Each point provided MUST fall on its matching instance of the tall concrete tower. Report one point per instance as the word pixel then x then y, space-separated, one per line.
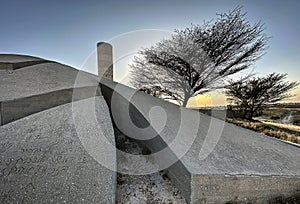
pixel 105 60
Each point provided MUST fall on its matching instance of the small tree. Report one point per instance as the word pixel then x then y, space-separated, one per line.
pixel 251 94
pixel 199 58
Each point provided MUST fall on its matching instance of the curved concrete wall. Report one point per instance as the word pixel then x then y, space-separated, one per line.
pixel 212 161
pixel 41 86
pixel 19 108
pixel 13 62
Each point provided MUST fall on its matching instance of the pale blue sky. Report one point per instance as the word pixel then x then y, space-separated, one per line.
pixel 67 31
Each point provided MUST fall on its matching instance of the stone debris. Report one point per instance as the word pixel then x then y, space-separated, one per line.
pixel 143 189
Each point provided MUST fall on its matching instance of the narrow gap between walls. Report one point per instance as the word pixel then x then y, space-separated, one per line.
pixel 142 189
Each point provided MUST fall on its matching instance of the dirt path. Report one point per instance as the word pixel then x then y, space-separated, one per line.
pixel 288 118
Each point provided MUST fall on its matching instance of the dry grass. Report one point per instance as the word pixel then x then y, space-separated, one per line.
pixel 291 127
pixel 276 131
pixel 280 113
pixel 295 109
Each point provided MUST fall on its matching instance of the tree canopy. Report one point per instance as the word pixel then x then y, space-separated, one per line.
pixel 199 58
pixel 251 94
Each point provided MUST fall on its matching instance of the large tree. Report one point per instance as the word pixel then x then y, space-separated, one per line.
pixel 199 58
pixel 251 94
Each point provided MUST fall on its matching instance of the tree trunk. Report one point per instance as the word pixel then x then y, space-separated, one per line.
pixel 251 115
pixel 185 101
pixel 252 112
pixel 245 111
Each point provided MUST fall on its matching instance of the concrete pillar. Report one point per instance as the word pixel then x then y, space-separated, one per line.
pixel 105 60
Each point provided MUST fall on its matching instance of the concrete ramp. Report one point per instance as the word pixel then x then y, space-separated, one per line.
pixel 209 160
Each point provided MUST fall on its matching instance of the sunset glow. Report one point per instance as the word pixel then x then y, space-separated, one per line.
pixel 207 100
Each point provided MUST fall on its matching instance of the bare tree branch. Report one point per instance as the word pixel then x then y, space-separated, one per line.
pixel 251 94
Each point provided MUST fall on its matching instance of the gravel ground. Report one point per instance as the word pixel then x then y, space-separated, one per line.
pixel 142 189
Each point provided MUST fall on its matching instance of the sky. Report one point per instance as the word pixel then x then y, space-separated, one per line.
pixel 68 31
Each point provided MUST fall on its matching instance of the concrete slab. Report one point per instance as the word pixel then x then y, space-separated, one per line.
pixel 213 161
pixel 14 58
pixel 41 86
pixel 12 62
pixel 19 108
pixel 44 158
pixel 42 78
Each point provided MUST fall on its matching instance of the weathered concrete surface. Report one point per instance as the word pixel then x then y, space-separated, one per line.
pixel 237 166
pixel 42 78
pixel 11 62
pixel 245 189
pixel 15 109
pixel 14 58
pixel 39 87
pixel 44 159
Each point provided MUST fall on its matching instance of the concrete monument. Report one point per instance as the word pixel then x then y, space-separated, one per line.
pixel 48 154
